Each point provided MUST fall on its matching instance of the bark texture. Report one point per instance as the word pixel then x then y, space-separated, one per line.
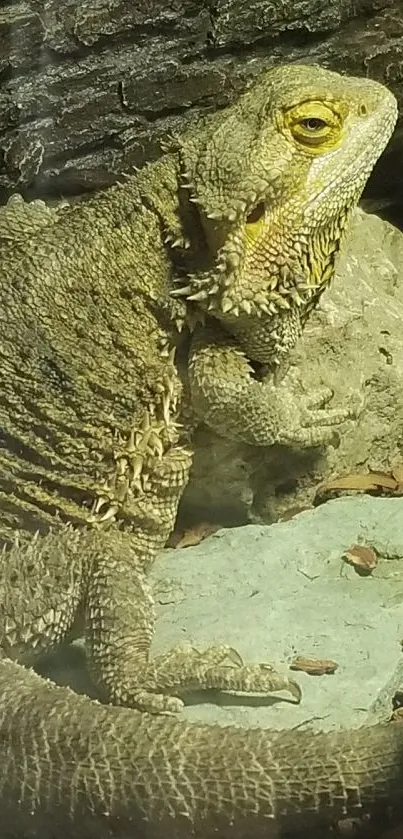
pixel 89 89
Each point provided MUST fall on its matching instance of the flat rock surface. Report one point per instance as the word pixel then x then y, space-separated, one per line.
pixel 284 590
pixel 277 591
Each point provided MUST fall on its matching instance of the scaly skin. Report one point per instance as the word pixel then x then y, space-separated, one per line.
pixel 273 220
pixel 70 767
pixel 91 320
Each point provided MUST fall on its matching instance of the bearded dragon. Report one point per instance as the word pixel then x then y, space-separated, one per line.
pixel 215 254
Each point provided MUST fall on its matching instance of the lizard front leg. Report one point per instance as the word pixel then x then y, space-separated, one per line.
pixel 120 612
pixel 227 397
pixel 48 581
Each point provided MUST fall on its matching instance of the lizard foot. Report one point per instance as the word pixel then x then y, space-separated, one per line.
pixel 309 422
pixel 239 405
pixel 220 667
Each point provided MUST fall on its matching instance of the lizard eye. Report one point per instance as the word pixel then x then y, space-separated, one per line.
pixel 313 124
pixel 256 214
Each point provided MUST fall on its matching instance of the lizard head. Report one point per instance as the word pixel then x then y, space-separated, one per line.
pixel 273 179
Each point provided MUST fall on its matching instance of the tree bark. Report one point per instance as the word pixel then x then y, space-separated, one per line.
pixel 89 89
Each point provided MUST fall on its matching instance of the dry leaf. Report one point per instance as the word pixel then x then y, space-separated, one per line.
pixel 362 558
pixel 369 482
pixel 313 666
pixel 192 536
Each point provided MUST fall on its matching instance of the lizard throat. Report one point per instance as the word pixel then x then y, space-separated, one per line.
pixel 264 299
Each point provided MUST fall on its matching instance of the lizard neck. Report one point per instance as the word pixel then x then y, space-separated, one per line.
pixel 265 302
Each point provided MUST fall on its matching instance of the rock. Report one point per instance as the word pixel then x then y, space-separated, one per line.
pixel 277 592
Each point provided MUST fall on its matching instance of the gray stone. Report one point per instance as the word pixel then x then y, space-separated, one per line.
pixel 274 592
pixel 284 590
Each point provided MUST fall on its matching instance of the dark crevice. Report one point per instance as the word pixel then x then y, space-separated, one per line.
pixel 287 40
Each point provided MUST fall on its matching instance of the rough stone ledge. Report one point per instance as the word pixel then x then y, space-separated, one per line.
pixel 277 591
